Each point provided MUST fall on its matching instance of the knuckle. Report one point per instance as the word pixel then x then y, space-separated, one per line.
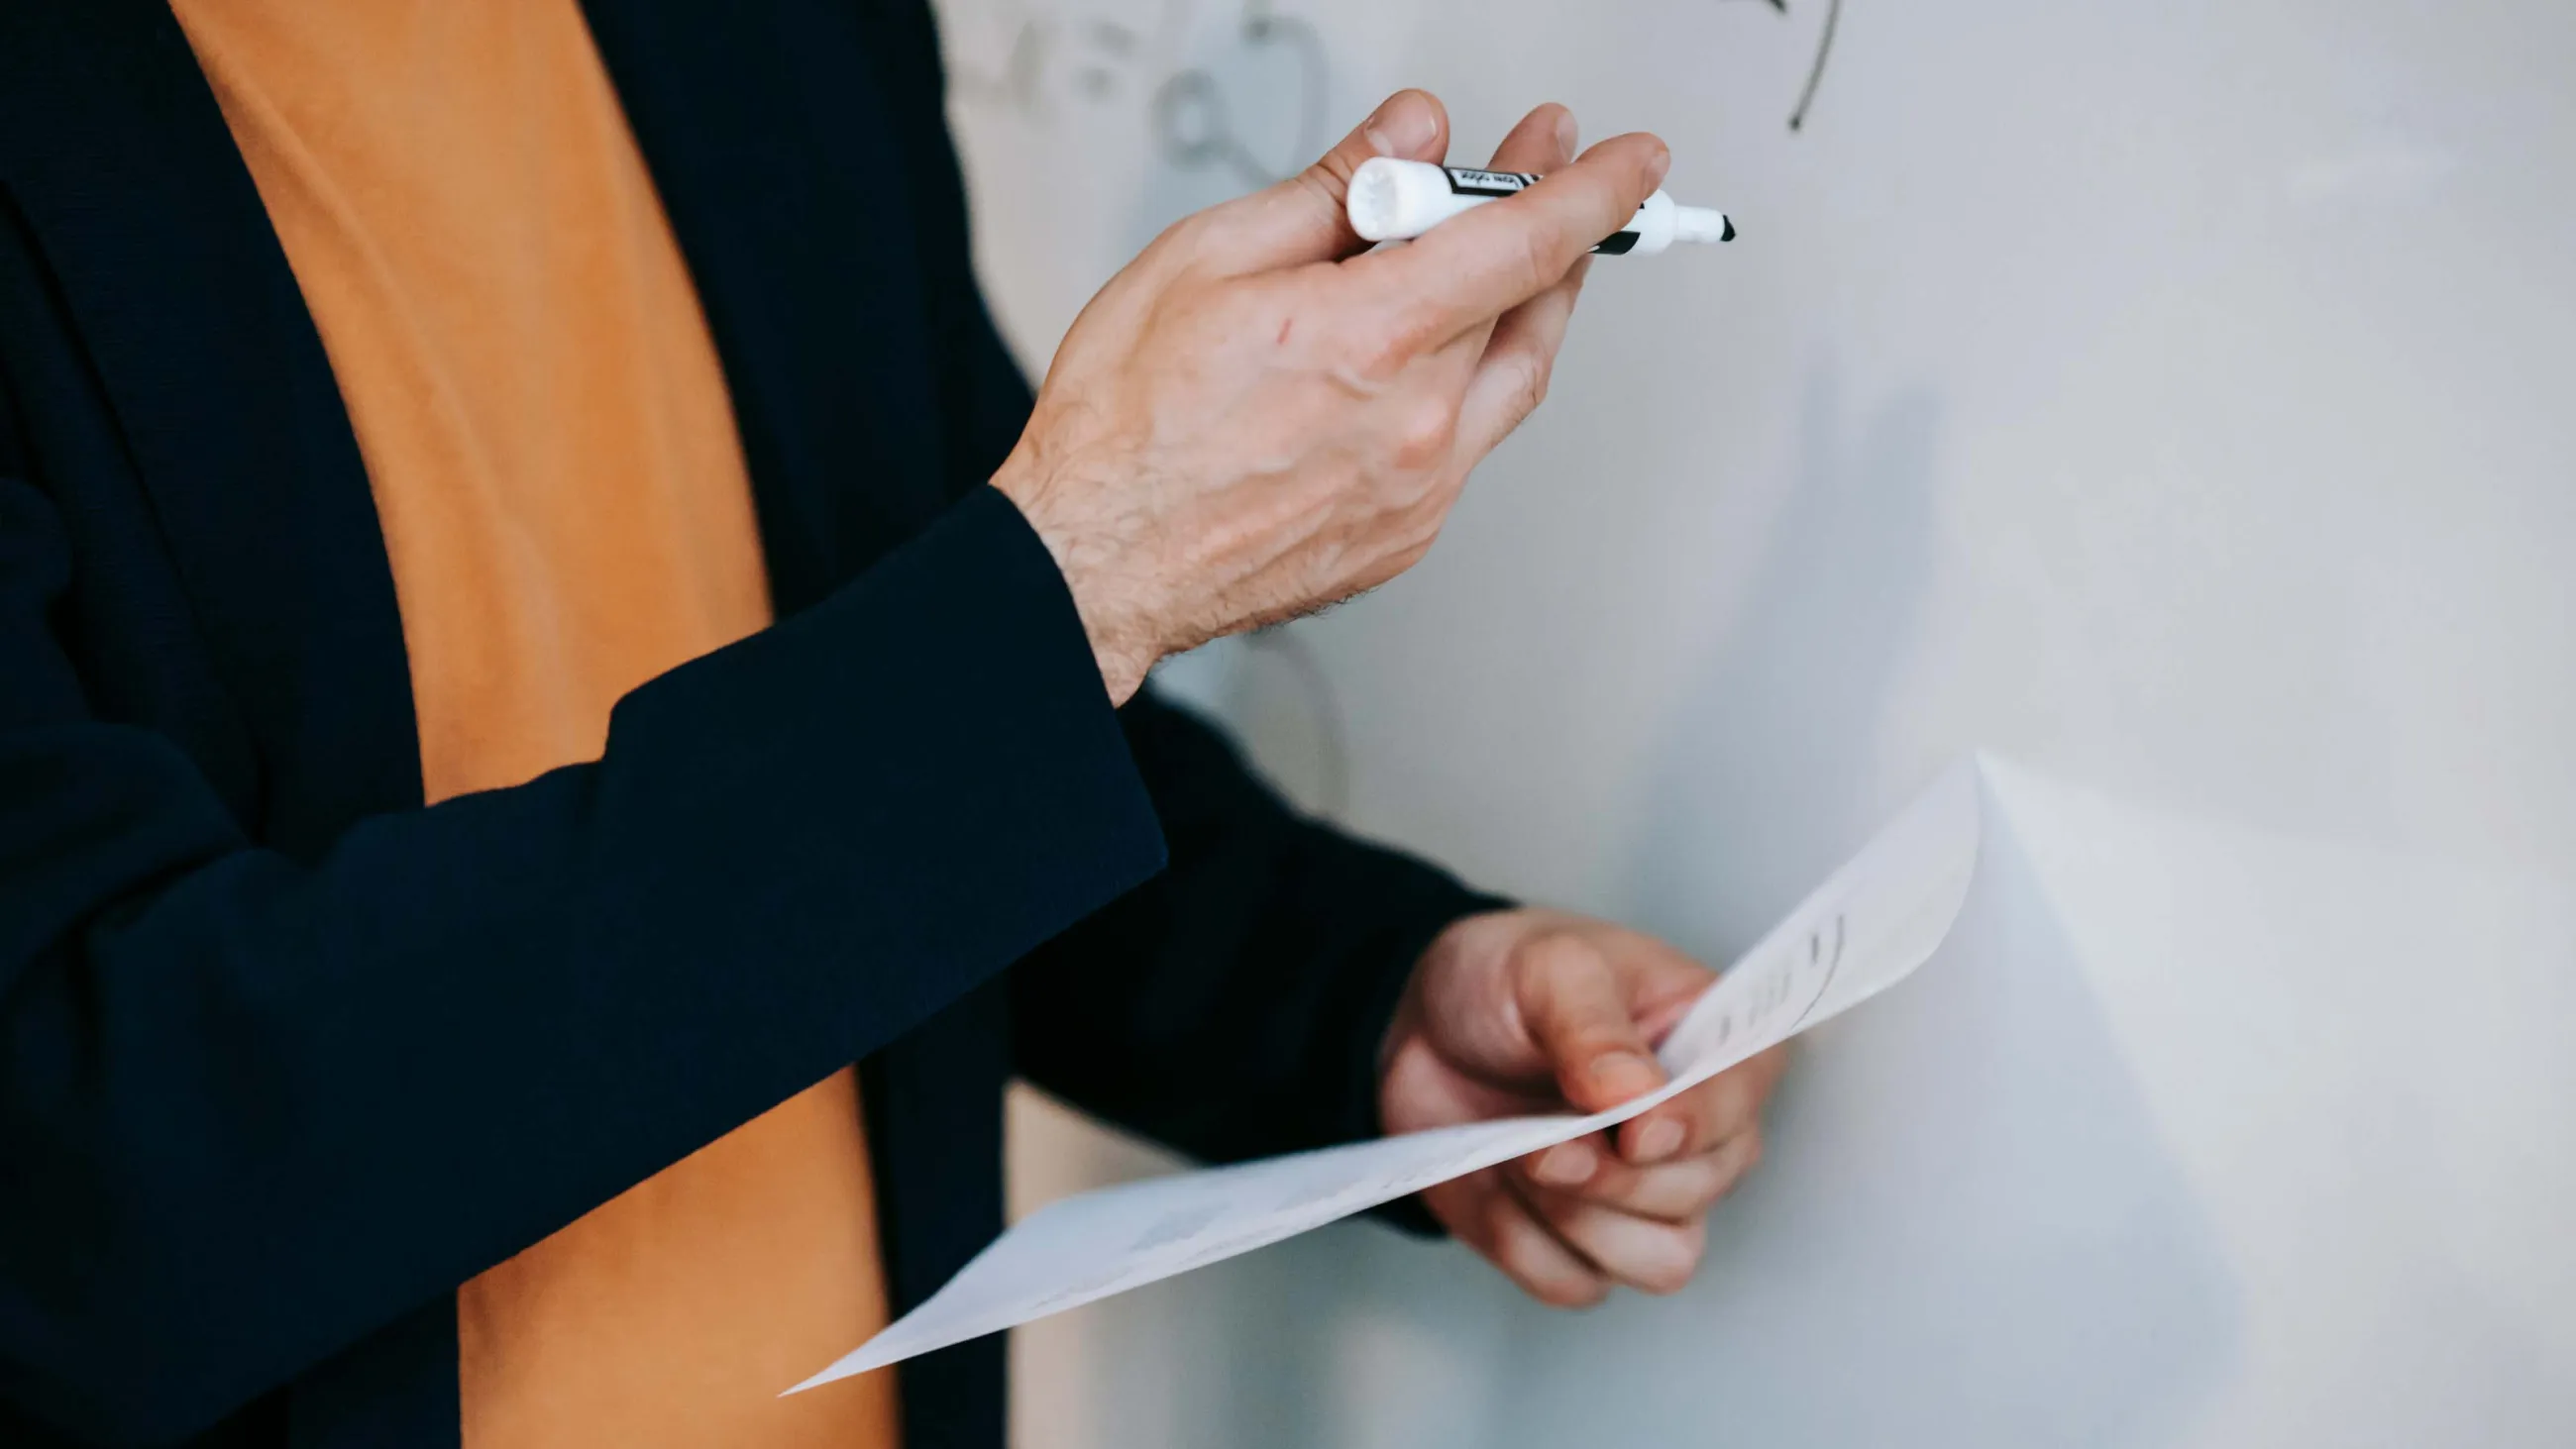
pixel 1696 1191
pixel 1426 435
pixel 1383 352
pixel 1567 1167
pixel 1728 1168
pixel 1375 355
pixel 1673 1268
pixel 1406 557
pixel 1551 950
pixel 1557 958
pixel 1417 504
pixel 1539 266
pixel 1529 385
pixel 1627 1189
pixel 1182 238
pixel 1441 484
pixel 1562 1004
pixel 1325 183
pixel 1516 1247
pixel 1523 1249
pixel 1716 1178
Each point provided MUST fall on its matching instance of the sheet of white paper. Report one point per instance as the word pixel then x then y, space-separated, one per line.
pixel 1860 932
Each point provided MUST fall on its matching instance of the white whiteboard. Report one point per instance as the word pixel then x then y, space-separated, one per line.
pixel 2173 398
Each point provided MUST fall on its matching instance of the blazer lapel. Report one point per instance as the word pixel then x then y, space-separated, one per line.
pixel 119 159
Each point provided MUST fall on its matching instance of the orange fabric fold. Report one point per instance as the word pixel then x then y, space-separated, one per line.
pixel 564 501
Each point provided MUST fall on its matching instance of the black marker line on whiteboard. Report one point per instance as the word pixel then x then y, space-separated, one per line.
pixel 1816 73
pixel 1392 199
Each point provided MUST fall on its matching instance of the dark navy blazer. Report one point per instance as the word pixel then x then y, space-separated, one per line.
pixel 285 1056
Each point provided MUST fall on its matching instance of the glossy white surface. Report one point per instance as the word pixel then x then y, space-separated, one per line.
pixel 2172 399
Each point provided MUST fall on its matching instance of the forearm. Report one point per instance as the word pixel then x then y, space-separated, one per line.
pixel 351 1085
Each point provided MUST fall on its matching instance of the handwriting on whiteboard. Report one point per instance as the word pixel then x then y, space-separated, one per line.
pixel 1032 57
pixel 1035 59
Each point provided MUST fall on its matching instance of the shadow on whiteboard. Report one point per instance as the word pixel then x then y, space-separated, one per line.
pixel 1967 1234
pixel 1796 689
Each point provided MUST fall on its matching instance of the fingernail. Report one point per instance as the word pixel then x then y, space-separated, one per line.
pixel 1568 134
pixel 1660 1139
pixel 1567 1164
pixel 1401 127
pixel 1623 1074
pixel 1661 162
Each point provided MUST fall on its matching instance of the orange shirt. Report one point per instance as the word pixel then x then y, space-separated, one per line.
pixel 564 500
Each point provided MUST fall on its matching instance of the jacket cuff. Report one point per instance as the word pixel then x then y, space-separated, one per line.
pixel 925 767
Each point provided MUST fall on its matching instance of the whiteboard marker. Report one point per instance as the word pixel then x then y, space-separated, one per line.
pixel 1394 200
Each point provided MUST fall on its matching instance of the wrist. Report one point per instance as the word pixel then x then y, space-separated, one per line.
pixel 1117 621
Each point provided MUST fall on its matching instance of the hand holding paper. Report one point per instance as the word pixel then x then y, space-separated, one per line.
pixel 1525 1011
pixel 1866 928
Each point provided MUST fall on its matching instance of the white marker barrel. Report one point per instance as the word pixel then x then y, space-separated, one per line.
pixel 1395 200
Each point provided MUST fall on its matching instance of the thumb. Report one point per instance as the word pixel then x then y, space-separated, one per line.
pixel 1572 1001
pixel 1306 218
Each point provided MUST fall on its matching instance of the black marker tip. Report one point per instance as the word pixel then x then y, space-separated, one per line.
pixel 1728 234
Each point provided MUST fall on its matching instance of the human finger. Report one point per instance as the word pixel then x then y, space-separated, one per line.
pixel 1484 1213
pixel 1517 366
pixel 1543 142
pixel 1482 263
pixel 1645 1253
pixel 1306 218
pixel 1697 1120
pixel 1576 1010
pixel 1674 1191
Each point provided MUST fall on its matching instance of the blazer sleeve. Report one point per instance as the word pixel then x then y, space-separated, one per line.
pixel 1234 1006
pixel 253 1108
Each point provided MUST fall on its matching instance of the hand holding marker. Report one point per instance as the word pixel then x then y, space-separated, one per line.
pixel 1392 199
